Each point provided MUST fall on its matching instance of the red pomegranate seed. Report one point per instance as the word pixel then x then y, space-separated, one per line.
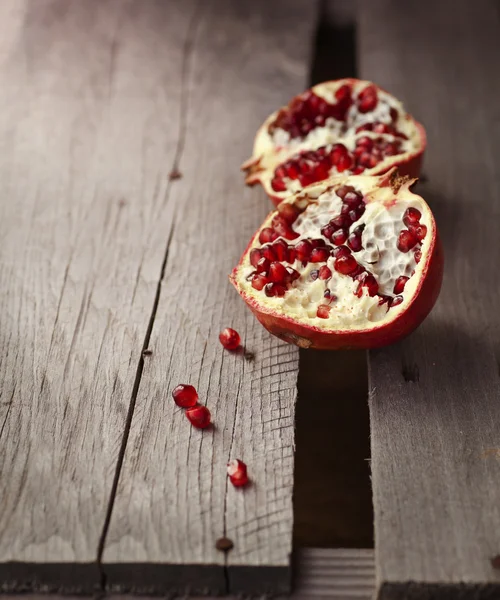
pixel 292 274
pixel 278 184
pixel 321 171
pixel 394 114
pixel 291 254
pixel 344 190
pixel 339 222
pixel 418 256
pixel 259 281
pixel 255 256
pixel 339 237
pixel 277 272
pixel 237 472
pixel 344 163
pixel 306 179
pixel 274 289
pixel 199 416
pixel 329 296
pixel 358 169
pixel 325 273
pixel 323 311
pixel 268 252
pixel 229 338
pixel 420 231
pixel 318 243
pixel 280 172
pixel 406 241
pixel 368 281
pixel 353 199
pixel 288 211
pixel 328 231
pixel 343 92
pixel 367 99
pixel 283 229
pixel 280 248
pixel 396 300
pixel 354 240
pixel 345 264
pixel 366 142
pixel 341 251
pixel 263 265
pixel 319 255
pixel 399 286
pixel 337 152
pixel 411 216
pixel 267 235
pixel 185 395
pixel 303 250
pixel 314 274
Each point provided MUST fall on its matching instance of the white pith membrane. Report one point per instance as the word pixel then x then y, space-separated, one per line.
pixel 275 149
pixel 383 220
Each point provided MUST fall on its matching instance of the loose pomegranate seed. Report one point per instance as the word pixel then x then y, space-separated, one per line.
pixel 255 256
pixel 323 311
pixel 288 211
pixel 237 472
pixel 399 286
pixel 259 281
pixel 268 252
pixel 263 265
pixel 345 264
pixel 229 338
pixel 319 255
pixel 280 248
pixel 185 395
pixel 278 184
pixel 325 273
pixel 277 272
pixel 411 216
pixel 406 241
pixel 267 235
pixel 367 99
pixel 199 416
pixel 303 250
pixel 418 256
pixel 339 237
pixel 396 300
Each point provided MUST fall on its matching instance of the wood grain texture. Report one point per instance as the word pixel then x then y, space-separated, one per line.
pixel 173 499
pixel 89 122
pixel 435 411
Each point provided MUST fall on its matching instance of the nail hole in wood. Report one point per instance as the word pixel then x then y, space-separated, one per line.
pixel 175 174
pixel 147 352
pixel 410 372
pixel 224 544
pixel 495 562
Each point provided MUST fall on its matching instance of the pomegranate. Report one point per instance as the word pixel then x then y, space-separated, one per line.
pixel 230 338
pixel 237 472
pixel 366 288
pixel 199 416
pixel 346 126
pixel 185 395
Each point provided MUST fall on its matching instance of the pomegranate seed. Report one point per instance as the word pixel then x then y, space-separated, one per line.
pixel 323 311
pixel 329 296
pixel 328 231
pixel 354 240
pixel 345 264
pixel 411 216
pixel 292 169
pixel 259 281
pixel 368 281
pixel 268 252
pixel 341 251
pixel 263 265
pixel 345 162
pixel 277 272
pixel 318 243
pixel 399 286
pixel 199 416
pixel 281 250
pixel 237 472
pixel 406 241
pixel 367 99
pixel 280 172
pixel 255 256
pixel 288 211
pixel 278 184
pixel 420 231
pixel 418 256
pixel 321 171
pixel 396 300
pixel 366 142
pixel 274 289
pixel 319 255
pixel 229 338
pixel 305 179
pixel 394 114
pixel 283 229
pixel 185 395
pixel 267 235
pixel 291 254
pixel 339 222
pixel 344 190
pixel 353 199
pixel 292 274
pixel 325 273
pixel 357 170
pixel 303 250
pixel 337 152
pixel 343 92
pixel 314 274
pixel 339 237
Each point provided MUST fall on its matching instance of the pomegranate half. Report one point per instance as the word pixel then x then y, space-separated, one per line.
pixel 351 262
pixel 346 126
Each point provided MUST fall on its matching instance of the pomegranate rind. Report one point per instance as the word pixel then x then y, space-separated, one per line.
pixel 401 320
pixel 259 168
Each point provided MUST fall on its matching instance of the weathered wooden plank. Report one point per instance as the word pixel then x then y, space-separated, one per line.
pixel 173 500
pixel 89 122
pixel 435 410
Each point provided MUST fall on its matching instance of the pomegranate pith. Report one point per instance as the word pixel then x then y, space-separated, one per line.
pixel 366 290
pixel 199 416
pixel 185 395
pixel 346 126
pixel 237 472
pixel 230 338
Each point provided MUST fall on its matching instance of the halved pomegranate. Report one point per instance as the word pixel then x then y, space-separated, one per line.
pixel 346 126
pixel 352 262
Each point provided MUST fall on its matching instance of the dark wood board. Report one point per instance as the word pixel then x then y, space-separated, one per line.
pixel 434 402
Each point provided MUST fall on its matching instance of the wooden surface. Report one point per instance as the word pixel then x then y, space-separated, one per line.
pixel 435 411
pixel 99 102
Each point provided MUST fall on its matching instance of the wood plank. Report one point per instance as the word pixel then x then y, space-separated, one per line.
pixel 173 500
pixel 89 105
pixel 435 413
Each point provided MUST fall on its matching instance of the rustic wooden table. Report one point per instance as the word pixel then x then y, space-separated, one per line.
pixel 105 253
